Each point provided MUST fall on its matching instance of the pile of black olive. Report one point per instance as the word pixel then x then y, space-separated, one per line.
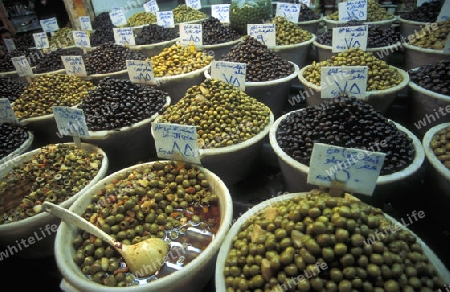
pixel 117 103
pixel 427 12
pixel 103 30
pixel 307 14
pixel 377 36
pixel 153 33
pixel 345 122
pixel 434 77
pixel 262 64
pixel 6 64
pixel 52 61
pixel 214 32
pixel 12 136
pixel 109 58
pixel 10 88
pixel 24 41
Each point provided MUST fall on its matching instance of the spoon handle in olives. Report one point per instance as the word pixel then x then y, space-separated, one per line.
pixel 74 219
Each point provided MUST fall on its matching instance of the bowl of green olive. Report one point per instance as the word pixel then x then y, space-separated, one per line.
pixel 186 205
pixel 313 241
pixel 58 173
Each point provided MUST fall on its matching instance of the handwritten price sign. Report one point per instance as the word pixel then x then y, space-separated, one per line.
pixel 177 142
pixel 81 39
pixel 264 33
pixel 221 12
pixel 151 6
pixel 350 80
pixel 357 169
pixel 49 25
pixel 196 4
pixel 165 19
pixel 74 65
pixel 85 23
pixel 140 71
pixel 70 121
pixel 7 114
pixel 9 43
pixel 288 11
pixel 41 40
pixel 191 34
pixel 353 10
pixel 124 36
pixel 345 38
pixel 445 11
pixel 22 66
pixel 230 72
pixel 118 17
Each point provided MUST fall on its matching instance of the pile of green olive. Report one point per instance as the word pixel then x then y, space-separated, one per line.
pixel 319 242
pixel 183 13
pixel 440 144
pixel 249 12
pixel 141 18
pixel 164 200
pixel 288 33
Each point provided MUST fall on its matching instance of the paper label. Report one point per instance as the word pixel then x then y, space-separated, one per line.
pixel 447 45
pixel 9 43
pixel 196 4
pixel 165 19
pixel 81 39
pixel 357 169
pixel 345 38
pixel 140 71
pixel 41 40
pixel 191 34
pixel 22 66
pixel 230 72
pixel 421 2
pixel 124 36
pixel 176 142
pixel 353 10
pixel 49 25
pixel 151 6
pixel 445 11
pixel 70 121
pixel 85 23
pixel 289 11
pixel 118 17
pixel 7 115
pixel 74 65
pixel 221 12
pixel 264 33
pixel 338 80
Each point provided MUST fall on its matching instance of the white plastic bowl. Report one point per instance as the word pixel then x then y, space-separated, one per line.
pixel 296 53
pixel 440 173
pixel 219 49
pixel 311 25
pixel 387 23
pixel 25 147
pixel 416 56
pixel 381 100
pixel 227 243
pixel 59 71
pixel 193 277
pixel 151 50
pixel 408 27
pixel 26 228
pixel 295 174
pixel 272 93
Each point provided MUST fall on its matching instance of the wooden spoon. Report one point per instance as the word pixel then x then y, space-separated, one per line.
pixel 143 258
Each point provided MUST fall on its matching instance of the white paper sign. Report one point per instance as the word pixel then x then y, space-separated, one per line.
pixel 41 40
pixel 165 19
pixel 445 11
pixel 176 142
pixel 140 71
pixel 196 4
pixel 85 23
pixel 118 17
pixel 70 121
pixel 447 45
pixel 22 66
pixel 230 72
pixel 7 115
pixel 264 33
pixel 345 38
pixel 337 80
pixel 421 2
pixel 9 43
pixel 49 25
pixel 357 169
pixel 81 39
pixel 124 36
pixel 191 34
pixel 151 6
pixel 289 11
pixel 221 12
pixel 353 10
pixel 74 65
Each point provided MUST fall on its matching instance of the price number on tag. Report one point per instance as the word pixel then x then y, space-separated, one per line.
pixel 9 43
pixel 221 12
pixel 41 40
pixel 151 6
pixel 230 72
pixel 289 11
pixel 74 65
pixel 118 17
pixel 22 66
pixel 196 4
pixel 339 80
pixel 7 114
pixel 353 10
pixel 264 33
pixel 124 36
pixel 85 23
pixel 165 19
pixel 140 71
pixel 345 38
pixel 70 121
pixel 49 25
pixel 191 34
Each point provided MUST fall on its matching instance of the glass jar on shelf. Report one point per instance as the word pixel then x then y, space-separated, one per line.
pixel 243 12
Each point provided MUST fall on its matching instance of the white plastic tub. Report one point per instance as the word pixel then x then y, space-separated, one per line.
pixel 408 27
pixel 296 53
pixel 151 50
pixel 416 56
pixel 387 23
pixel 311 25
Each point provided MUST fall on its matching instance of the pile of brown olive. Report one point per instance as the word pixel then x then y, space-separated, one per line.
pixel 52 61
pixel 50 90
pixel 184 13
pixel 153 33
pixel 109 58
pixel 434 77
pixel 223 114
pixel 262 64
pixel 214 32
pixel 440 144
pixel 12 138
pixel 165 200
pixel 288 33
pixel 307 14
pixel 349 123
pixel 10 88
pixel 319 242
pixel 374 12
pixel 380 75
pixel 117 103
pixel 54 174
pixel 433 38
pixel 427 12
pixel 24 40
